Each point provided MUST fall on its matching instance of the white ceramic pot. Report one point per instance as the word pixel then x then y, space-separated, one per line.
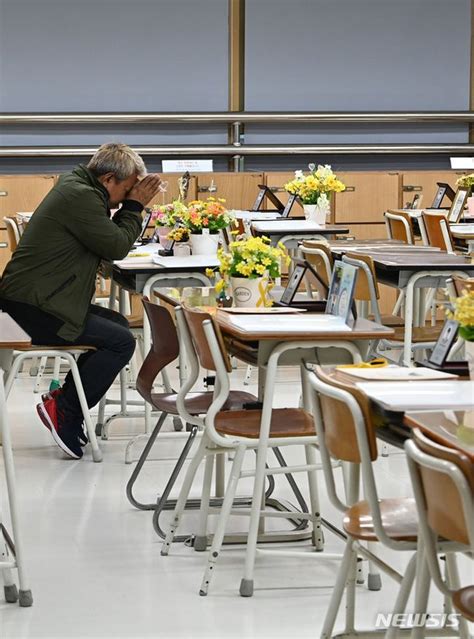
pixel 315 213
pixel 204 244
pixel 469 355
pixel 249 292
pixel 181 249
pixel 162 233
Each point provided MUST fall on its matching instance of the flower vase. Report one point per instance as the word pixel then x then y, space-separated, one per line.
pixel 316 213
pixel 249 292
pixel 162 235
pixel 204 243
pixel 469 355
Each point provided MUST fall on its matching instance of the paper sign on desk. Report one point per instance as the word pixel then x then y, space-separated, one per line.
pixel 462 163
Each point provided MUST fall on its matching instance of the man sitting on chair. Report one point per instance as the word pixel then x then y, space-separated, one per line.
pixel 48 285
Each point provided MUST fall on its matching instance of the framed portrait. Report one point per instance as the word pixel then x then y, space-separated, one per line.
pixel 457 207
pixel 444 343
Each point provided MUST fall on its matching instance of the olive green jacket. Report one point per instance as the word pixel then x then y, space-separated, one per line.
pixel 54 267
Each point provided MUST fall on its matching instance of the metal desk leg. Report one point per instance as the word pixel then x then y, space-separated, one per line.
pixel 25 596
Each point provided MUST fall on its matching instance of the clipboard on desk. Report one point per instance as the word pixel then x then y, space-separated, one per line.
pixel 280 208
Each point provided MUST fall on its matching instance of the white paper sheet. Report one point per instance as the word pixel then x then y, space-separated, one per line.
pixel 422 396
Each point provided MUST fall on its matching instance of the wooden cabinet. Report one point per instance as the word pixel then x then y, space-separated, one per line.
pixel 368 194
pixel 5 252
pixel 239 190
pixel 368 231
pixel 424 184
pixel 22 193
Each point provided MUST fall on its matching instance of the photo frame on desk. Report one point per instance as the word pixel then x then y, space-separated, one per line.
pixel 457 207
pixel 301 269
pixel 341 290
pixel 445 341
pixel 146 220
pixel 443 190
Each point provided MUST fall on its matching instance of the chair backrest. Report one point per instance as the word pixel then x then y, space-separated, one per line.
pixel 320 257
pixel 13 232
pixel 443 501
pixel 399 226
pixel 164 347
pixel 338 423
pixel 437 230
pixel 366 287
pixel 195 318
pixel 461 284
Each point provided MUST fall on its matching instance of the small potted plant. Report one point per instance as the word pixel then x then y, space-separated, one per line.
pixel 467 181
pixel 249 268
pixel 314 191
pixel 180 235
pixel 204 220
pixel 166 216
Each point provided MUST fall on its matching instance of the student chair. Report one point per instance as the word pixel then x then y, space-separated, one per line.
pixel 237 431
pixel 443 485
pixel 367 292
pixel 399 226
pixel 67 354
pixel 164 350
pixel 437 231
pixel 346 432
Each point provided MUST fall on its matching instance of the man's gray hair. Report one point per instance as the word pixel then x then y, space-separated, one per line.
pixel 118 159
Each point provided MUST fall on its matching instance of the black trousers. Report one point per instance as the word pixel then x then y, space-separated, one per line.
pixel 107 330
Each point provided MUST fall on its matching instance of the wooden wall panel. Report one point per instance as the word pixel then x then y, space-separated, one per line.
pixel 22 193
pixel 424 183
pixel 276 181
pixel 238 189
pixel 368 194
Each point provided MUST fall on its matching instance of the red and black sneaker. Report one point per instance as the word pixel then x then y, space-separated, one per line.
pixel 54 394
pixel 67 438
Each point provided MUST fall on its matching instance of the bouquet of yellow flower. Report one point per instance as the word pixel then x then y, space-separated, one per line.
pixel 168 214
pixel 251 257
pixel 210 214
pixel 314 187
pixel 178 234
pixel 466 181
pixel 464 314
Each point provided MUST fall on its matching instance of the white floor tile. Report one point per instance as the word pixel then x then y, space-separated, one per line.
pixel 94 562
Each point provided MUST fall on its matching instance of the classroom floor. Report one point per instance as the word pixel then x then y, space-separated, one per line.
pixel 94 561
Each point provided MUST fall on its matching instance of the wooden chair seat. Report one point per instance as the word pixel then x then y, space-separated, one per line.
pixel 135 321
pixel 52 347
pixel 389 320
pixel 463 601
pixel 420 333
pixel 399 519
pixel 198 403
pixel 286 422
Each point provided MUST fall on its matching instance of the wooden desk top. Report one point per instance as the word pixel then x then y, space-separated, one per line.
pixel 11 335
pixel 298 326
pixel 420 260
pixel 297 227
pixel 446 429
